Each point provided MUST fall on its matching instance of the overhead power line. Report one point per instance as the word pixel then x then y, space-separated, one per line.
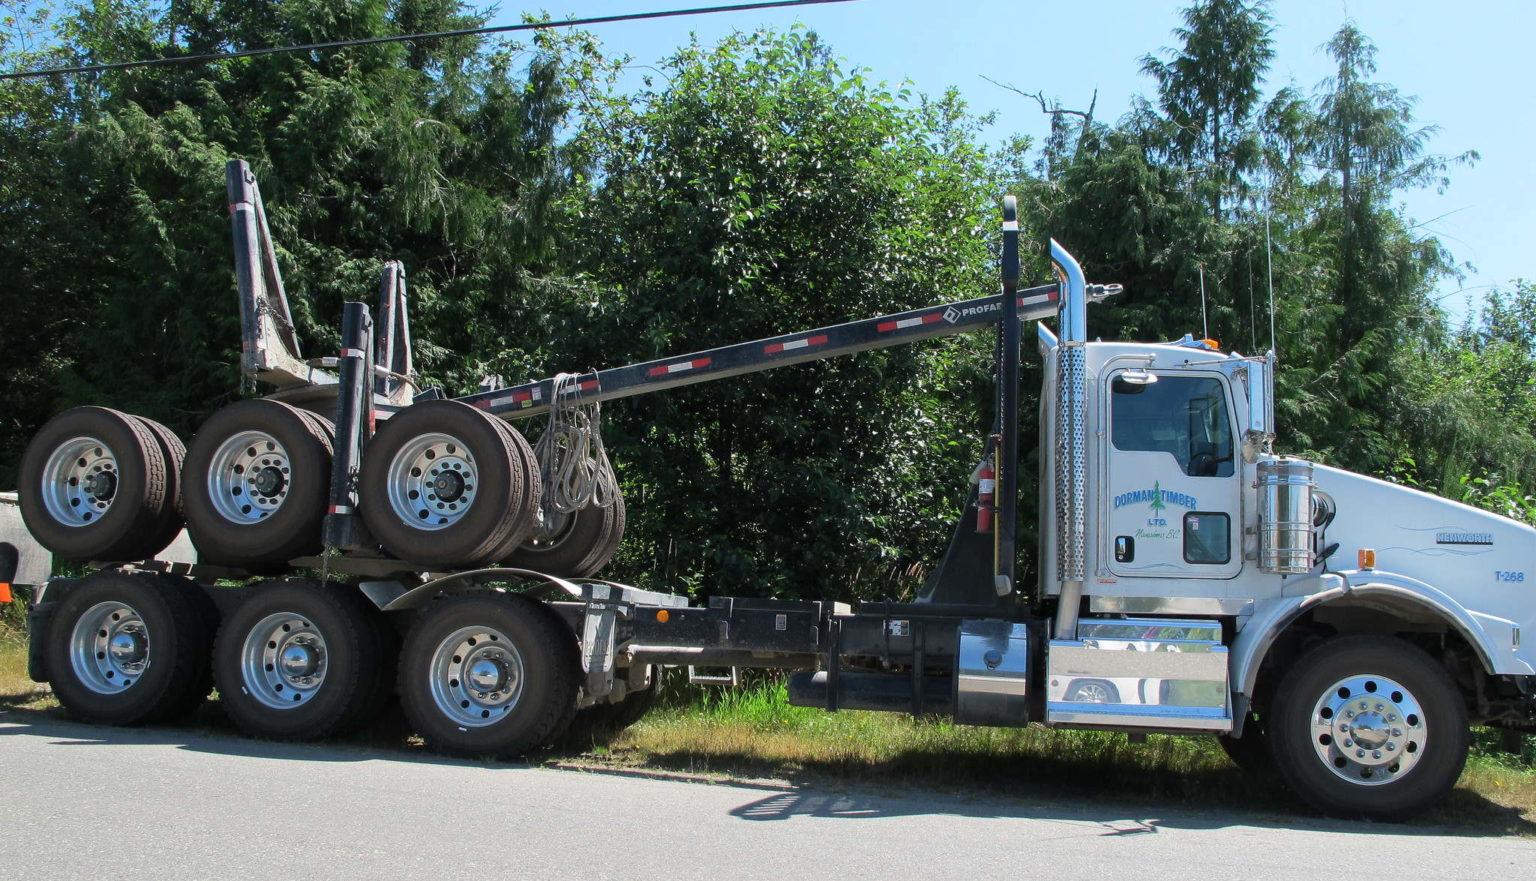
pixel 405 38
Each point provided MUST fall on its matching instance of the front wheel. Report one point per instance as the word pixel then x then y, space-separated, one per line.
pixel 1369 726
pixel 488 674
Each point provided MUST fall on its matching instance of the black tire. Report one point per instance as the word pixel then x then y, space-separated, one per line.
pixel 518 718
pixel 347 672
pixel 526 517
pixel 124 519
pixel 581 545
pixel 1420 730
pixel 258 526
pixel 600 722
pixel 165 640
pixel 173 517
pixel 479 448
pixel 1251 752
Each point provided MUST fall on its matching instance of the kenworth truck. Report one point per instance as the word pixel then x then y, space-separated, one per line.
pixel 1343 630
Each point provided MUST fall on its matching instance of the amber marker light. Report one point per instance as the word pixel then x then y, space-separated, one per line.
pixel 663 616
pixel 5 592
pixel 1366 558
pixel 1213 345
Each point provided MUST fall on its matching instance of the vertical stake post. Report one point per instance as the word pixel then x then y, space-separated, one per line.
pixel 1007 501
pixel 354 425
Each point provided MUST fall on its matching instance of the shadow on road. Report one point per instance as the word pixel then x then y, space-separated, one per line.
pixel 1117 818
pixel 209 731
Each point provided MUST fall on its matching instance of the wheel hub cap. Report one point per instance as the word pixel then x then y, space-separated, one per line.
pixel 126 647
pixel 1369 729
pixel 79 481
pixel 269 482
pixel 487 675
pixel 102 485
pixel 476 676
pixel 109 647
pixel 298 660
pixel 449 486
pixel 284 660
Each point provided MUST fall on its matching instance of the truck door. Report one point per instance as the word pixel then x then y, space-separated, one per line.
pixel 1173 488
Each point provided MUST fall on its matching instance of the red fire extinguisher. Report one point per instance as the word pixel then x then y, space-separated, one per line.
pixel 986 486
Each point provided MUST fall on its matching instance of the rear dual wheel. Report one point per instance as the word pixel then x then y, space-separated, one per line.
pixel 489 674
pixel 127 648
pixel 98 484
pixel 300 660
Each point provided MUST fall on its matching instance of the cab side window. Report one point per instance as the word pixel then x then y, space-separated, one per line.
pixel 1184 416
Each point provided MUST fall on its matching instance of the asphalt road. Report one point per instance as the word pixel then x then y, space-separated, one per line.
pixel 169 804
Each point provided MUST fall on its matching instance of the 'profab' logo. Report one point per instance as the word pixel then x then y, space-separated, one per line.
pixel 953 315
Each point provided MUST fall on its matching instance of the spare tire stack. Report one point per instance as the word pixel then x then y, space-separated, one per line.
pixel 442 486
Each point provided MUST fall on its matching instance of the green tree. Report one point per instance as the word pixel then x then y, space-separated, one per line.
pixel 1362 275
pixel 1209 89
pixel 764 188
pixel 434 153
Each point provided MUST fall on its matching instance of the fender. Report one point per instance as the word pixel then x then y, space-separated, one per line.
pixel 1274 616
pixel 553 587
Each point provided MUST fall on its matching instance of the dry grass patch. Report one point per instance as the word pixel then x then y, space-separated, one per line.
pixel 16 689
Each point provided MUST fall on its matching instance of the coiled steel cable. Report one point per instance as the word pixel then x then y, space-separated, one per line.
pixel 572 459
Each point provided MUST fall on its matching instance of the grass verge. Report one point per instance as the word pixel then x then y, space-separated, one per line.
pixel 16 689
pixel 754 733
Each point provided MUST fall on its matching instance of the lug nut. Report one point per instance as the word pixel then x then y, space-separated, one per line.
pixel 1360 753
pixel 1391 746
pixel 1397 732
pixel 1348 742
pixel 1375 753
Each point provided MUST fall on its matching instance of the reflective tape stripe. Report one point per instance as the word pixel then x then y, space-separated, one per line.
pixel 888 326
pixel 679 367
pixel 353 353
pixel 775 348
pixel 341 509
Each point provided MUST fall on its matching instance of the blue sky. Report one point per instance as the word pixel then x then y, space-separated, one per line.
pixel 1467 63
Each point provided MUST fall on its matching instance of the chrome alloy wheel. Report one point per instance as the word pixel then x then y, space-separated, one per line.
pixel 79 481
pixel 432 481
pixel 109 647
pixel 476 676
pixel 283 661
pixel 1368 730
pixel 249 477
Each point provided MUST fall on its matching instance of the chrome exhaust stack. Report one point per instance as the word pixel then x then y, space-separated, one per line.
pixel 1071 441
